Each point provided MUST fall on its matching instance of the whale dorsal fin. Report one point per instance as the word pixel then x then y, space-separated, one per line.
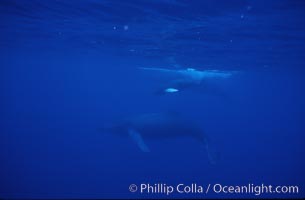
pixel 137 138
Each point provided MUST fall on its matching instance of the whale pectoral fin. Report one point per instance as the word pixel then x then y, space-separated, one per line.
pixel 137 138
pixel 173 87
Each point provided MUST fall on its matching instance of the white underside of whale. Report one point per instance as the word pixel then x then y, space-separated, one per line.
pixel 193 74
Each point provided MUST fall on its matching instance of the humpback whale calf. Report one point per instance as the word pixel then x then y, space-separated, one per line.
pixel 159 126
pixel 181 79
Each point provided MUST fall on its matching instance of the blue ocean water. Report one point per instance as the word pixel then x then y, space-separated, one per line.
pixel 69 68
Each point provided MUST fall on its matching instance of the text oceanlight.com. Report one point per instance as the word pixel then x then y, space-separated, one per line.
pixel 194 188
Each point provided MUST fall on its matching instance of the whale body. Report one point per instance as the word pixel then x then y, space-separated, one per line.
pixel 181 79
pixel 159 126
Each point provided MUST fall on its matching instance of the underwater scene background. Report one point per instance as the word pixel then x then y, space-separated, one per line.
pixel 71 68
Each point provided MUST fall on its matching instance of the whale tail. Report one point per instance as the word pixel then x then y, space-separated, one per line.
pixel 213 155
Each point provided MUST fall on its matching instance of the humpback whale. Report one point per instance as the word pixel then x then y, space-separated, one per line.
pixel 181 79
pixel 159 126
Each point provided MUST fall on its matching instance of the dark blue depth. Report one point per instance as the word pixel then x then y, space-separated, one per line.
pixel 68 69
